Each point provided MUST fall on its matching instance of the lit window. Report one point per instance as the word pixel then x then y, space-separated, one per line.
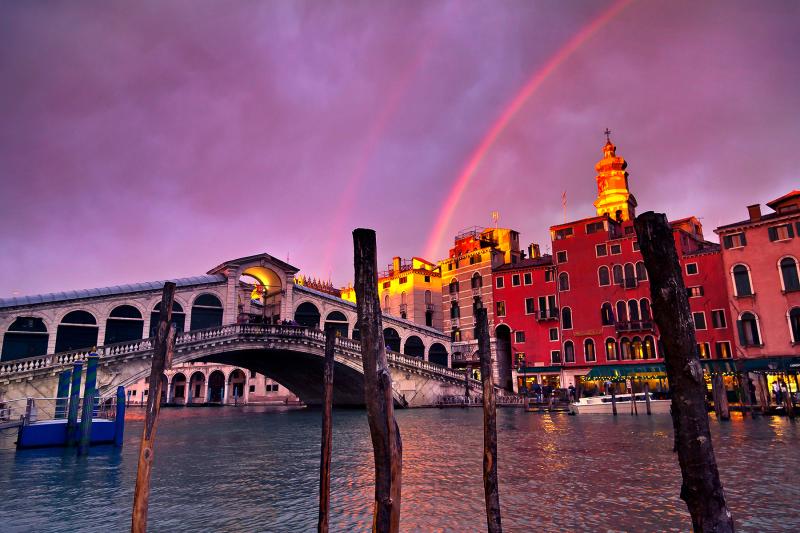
pixel 723 350
pixel 703 350
pixel 781 233
pixel 734 240
pixel 611 349
pixel 501 309
pixel 695 292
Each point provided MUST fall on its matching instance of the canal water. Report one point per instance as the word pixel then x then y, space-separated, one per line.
pixel 256 469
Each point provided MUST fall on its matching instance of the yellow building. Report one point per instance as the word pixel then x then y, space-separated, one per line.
pixel 409 289
pixel 613 196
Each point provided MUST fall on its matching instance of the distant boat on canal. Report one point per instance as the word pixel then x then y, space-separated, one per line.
pixel 602 404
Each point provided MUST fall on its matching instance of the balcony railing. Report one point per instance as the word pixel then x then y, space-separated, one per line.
pixel 634 325
pixel 429 307
pixel 547 314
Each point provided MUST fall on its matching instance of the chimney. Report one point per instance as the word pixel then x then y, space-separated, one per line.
pixel 755 212
pixel 396 264
pixel 533 251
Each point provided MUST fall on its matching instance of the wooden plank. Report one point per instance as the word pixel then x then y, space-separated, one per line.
pixel 327 435
pixel 386 442
pixel 491 489
pixel 163 347
pixel 701 489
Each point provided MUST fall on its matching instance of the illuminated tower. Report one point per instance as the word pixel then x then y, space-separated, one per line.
pixel 613 196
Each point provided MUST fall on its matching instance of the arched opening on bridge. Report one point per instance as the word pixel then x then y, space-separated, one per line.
pixel 216 387
pixel 124 324
pixel 164 388
pixel 392 339
pixel 196 385
pixel 206 312
pixel 414 347
pixel 179 389
pixel 78 330
pixel 178 318
pixel 260 296
pixel 504 361
pixel 237 382
pixel 338 323
pixel 438 354
pixel 26 337
pixel 307 315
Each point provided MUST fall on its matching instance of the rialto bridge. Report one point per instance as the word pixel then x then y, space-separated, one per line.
pixel 248 312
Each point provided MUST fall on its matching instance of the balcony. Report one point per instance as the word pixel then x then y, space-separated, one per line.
pixel 547 314
pixel 403 308
pixel 463 357
pixel 476 291
pixel 429 307
pixel 626 326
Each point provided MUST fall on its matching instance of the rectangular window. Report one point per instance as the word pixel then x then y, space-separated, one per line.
pixel 703 350
pixel 695 292
pixel 427 279
pixel 530 307
pixel 145 392
pixel 635 246
pixel 561 256
pixel 527 278
pixel 781 233
pixel 499 282
pixel 548 275
pixel 601 250
pixel 691 269
pixel 519 336
pixel 387 284
pixel 515 280
pixel 555 356
pixel 594 227
pixel 501 309
pixel 553 334
pixel 724 350
pixel 699 320
pixel 734 240
pixel 616 249
pixel 403 280
pixel 449 266
pixel 718 319
pixel 563 233
pixel 252 388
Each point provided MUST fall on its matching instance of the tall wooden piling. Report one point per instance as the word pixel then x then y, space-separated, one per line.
pixel 386 442
pixel 327 437
pixel 62 393
pixel 89 389
pixel 491 490
pixel 701 489
pixel 720 397
pixel 647 397
pixel 162 352
pixel 74 401
pixel 613 399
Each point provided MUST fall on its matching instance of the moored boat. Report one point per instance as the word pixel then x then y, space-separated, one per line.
pixel 602 404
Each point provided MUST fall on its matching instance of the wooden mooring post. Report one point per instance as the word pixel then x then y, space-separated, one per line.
pixel 613 399
pixel 701 489
pixel 491 488
pixel 162 352
pixel 327 435
pixel 720 397
pixel 646 387
pixel 386 442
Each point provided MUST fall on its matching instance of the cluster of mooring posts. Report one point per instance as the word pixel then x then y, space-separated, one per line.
pixel 65 428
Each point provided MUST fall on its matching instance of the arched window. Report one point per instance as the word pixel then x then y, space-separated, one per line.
pixel 414 347
pixel 569 352
pixel 794 323
pixel 607 314
pixel 26 337
pixel 641 271
pixel 741 281
pixel 603 276
pixel 453 286
pixel 403 306
pixel 625 347
pixel 566 318
pixel 563 281
pixel 477 281
pixel 178 318
pixel 124 324
pixel 789 276
pixel 385 303
pixel 633 310
pixel 611 349
pixel 77 330
pixel 588 350
pixel 630 275
pixel 307 315
pixel 206 312
pixel 622 311
pixel 649 348
pixel 617 271
pixel 454 310
pixel 749 333
pixel 636 348
pixel 428 298
pixel 644 305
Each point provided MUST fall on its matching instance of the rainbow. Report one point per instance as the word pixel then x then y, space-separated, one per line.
pixel 511 110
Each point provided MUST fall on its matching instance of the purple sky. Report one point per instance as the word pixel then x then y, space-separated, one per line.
pixel 148 140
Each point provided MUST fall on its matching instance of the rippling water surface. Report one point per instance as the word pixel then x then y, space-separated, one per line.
pixel 256 469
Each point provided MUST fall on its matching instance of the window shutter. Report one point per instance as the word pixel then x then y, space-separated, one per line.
pixel 740 329
pixel 744 239
pixel 727 241
pixel 791 231
pixel 773 234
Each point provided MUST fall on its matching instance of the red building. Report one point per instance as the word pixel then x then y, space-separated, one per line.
pixel 589 305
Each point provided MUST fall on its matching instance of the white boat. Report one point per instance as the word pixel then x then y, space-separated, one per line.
pixel 602 405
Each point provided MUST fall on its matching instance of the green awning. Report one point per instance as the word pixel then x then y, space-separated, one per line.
pixel 540 370
pixel 718 366
pixel 617 372
pixel 771 364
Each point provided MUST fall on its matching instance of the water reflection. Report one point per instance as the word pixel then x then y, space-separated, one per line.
pixel 255 469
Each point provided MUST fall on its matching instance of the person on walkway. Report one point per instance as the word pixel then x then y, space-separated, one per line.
pixel 776 392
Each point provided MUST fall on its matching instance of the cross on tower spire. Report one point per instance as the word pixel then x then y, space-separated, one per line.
pixel 608 134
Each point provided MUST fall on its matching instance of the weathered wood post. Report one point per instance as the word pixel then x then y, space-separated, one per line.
pixel 162 352
pixel 745 392
pixel 491 489
pixel 613 399
pixel 701 489
pixel 327 438
pixel 720 397
pixel 647 397
pixel 87 413
pixel 386 442
pixel 788 401
pixel 74 401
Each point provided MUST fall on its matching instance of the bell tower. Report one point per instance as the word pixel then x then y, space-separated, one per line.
pixel 613 196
